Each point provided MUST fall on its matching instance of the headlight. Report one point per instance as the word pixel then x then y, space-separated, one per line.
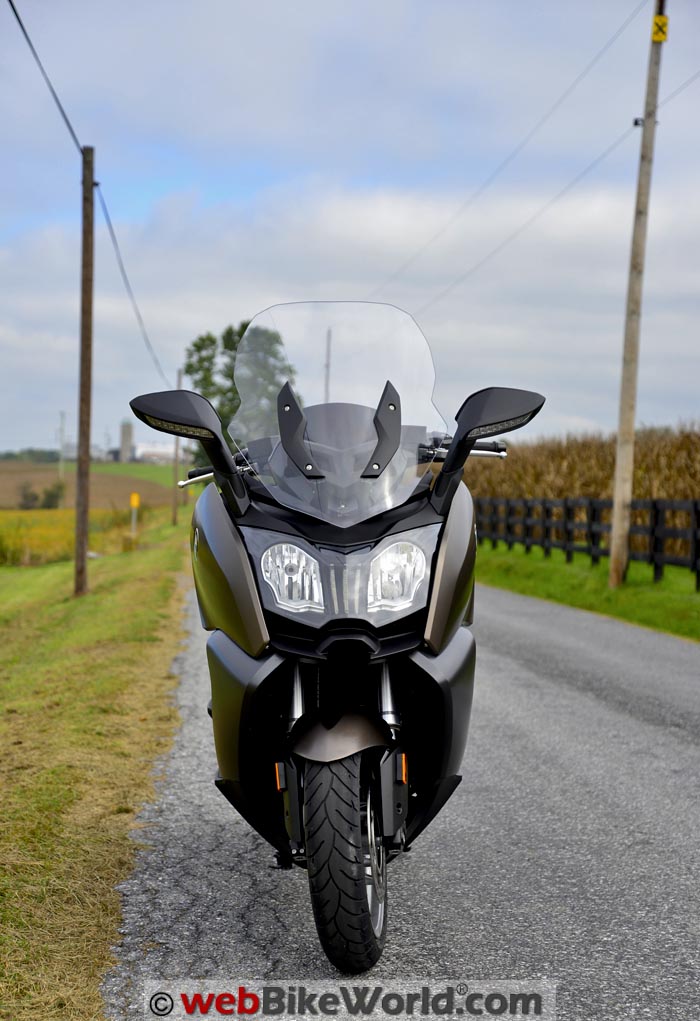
pixel 293 576
pixel 394 577
pixel 320 586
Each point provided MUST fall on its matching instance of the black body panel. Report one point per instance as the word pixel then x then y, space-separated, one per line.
pixel 451 601
pixel 226 589
pixel 250 706
pixel 266 514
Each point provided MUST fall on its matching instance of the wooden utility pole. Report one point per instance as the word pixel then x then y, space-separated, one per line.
pixel 61 443
pixel 82 481
pixel 176 462
pixel 624 456
pixel 327 368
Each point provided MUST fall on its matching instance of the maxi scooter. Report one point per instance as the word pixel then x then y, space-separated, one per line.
pixel 333 553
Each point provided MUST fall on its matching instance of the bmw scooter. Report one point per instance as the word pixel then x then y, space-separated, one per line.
pixel 333 554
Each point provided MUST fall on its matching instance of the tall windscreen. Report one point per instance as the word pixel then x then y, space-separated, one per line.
pixel 336 416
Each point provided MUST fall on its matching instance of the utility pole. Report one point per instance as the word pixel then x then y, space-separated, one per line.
pixel 61 443
pixel 82 482
pixel 176 462
pixel 327 368
pixel 624 456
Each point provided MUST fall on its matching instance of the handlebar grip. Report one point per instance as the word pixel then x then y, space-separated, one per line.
pixel 495 446
pixel 194 473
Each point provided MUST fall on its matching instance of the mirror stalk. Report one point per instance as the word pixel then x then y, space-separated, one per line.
pixel 488 412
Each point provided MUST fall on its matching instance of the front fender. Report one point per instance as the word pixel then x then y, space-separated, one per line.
pixel 351 734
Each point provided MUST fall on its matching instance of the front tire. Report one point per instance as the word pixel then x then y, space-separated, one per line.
pixel 346 861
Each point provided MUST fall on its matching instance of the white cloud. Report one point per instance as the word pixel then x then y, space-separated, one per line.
pixel 260 153
pixel 546 314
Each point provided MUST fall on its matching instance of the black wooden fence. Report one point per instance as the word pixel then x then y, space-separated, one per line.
pixel 662 531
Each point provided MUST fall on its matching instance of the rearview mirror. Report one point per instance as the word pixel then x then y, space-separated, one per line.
pixel 188 414
pixel 489 412
pixel 496 410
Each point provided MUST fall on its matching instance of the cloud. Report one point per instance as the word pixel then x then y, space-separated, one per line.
pixel 547 313
pixel 261 153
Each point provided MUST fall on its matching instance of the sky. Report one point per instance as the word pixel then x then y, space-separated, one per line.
pixel 252 154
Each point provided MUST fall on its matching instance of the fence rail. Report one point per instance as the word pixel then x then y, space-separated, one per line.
pixel 662 531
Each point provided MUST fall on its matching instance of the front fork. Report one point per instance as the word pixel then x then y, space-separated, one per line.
pixel 391 774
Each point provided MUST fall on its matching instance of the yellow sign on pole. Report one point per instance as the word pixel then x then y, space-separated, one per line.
pixel 134 501
pixel 659 31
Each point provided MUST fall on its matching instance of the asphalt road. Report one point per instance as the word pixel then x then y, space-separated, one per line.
pixel 570 851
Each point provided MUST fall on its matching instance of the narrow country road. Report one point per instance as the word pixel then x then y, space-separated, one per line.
pixel 570 851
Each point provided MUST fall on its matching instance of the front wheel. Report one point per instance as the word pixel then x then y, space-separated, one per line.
pixel 346 861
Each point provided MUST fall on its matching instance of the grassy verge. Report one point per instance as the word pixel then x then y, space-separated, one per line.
pixel 670 605
pixel 84 710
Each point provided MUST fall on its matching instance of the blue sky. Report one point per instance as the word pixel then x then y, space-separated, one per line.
pixel 260 153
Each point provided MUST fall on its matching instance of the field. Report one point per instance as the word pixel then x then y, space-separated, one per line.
pixel 35 537
pixel 666 466
pixel 84 711
pixel 159 474
pixel 110 484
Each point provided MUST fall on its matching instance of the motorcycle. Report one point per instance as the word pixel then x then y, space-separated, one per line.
pixel 333 554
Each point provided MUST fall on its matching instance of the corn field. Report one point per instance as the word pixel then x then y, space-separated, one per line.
pixel 667 467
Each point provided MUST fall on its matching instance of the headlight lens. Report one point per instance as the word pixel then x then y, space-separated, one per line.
pixel 318 586
pixel 294 577
pixel 394 577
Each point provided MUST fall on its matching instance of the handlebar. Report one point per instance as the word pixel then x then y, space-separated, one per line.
pixel 195 473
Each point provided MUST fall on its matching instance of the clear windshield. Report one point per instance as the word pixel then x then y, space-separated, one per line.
pixel 336 413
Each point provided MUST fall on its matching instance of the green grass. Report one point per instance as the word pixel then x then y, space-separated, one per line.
pixel 670 605
pixel 161 474
pixel 84 710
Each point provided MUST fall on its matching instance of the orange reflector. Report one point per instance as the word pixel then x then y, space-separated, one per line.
pixel 404 768
pixel 278 779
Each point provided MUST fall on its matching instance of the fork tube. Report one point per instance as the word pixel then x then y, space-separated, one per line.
pixel 297 698
pixel 386 700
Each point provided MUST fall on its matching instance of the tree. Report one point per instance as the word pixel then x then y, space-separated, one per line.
pixel 210 363
pixel 28 498
pixel 53 495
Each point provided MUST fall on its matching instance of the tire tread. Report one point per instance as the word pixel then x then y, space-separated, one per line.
pixel 333 828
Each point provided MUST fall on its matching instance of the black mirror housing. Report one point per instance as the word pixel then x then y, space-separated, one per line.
pixel 489 412
pixel 496 410
pixel 188 414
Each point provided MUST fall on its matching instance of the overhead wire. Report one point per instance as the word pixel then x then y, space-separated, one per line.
pixel 108 220
pixel 497 249
pixel 496 172
pixel 128 288
pixel 49 84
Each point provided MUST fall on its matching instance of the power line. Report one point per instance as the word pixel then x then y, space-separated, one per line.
pixel 527 223
pixel 46 78
pixel 108 220
pixel 512 154
pixel 548 205
pixel 681 88
pixel 128 288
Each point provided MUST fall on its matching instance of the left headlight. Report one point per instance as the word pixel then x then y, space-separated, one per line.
pixel 394 577
pixel 294 577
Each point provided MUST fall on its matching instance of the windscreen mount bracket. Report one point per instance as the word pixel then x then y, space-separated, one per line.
pixel 292 423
